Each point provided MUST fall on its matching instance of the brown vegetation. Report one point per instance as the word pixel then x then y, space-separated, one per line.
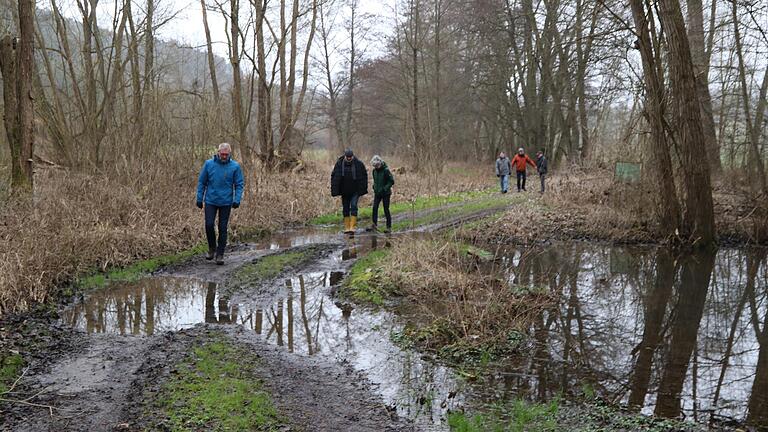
pixel 78 223
pixel 590 205
pixel 460 302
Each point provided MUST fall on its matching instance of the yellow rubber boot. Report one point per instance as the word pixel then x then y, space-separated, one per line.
pixel 352 223
pixel 346 224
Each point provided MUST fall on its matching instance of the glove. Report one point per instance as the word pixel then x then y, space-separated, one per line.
pixel 199 204
pixel 235 205
pixel 498 175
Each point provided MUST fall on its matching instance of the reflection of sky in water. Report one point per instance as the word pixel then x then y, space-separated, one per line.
pixel 304 321
pixel 592 336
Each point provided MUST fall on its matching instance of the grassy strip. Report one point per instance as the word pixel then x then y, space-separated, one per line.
pixel 420 203
pixel 517 416
pixel 588 416
pixel 10 368
pixel 472 207
pixel 138 269
pixel 270 266
pixel 214 390
pixel 365 282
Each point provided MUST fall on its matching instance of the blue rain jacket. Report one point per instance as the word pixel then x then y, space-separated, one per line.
pixel 220 183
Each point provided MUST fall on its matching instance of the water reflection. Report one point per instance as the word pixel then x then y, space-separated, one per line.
pixel 663 333
pixel 674 335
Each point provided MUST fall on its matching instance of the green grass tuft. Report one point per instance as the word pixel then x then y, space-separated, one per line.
pixel 10 368
pixel 364 284
pixel 420 203
pixel 137 270
pixel 517 416
pixel 269 266
pixel 213 390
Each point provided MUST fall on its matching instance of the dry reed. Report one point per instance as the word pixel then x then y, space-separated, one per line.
pixel 464 303
pixel 77 223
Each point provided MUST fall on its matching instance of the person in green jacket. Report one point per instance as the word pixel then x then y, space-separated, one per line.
pixel 383 180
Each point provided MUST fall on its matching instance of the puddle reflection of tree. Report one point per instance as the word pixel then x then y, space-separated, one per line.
pixel 677 328
pixel 132 308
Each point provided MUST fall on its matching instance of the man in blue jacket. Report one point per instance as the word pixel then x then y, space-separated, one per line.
pixel 220 187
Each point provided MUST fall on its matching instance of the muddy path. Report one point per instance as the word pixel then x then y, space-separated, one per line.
pixel 327 365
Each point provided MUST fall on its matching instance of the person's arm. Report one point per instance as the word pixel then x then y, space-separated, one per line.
pixel 497 167
pixel 202 183
pixel 239 185
pixel 530 161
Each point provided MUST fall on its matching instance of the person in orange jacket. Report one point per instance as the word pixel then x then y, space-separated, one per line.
pixel 519 162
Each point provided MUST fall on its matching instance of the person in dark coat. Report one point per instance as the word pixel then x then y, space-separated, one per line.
pixel 219 189
pixel 383 180
pixel 349 180
pixel 541 167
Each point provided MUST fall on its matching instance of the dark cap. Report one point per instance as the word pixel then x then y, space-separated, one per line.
pixel 348 153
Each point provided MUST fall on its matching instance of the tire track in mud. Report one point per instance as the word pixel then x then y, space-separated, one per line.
pixel 101 386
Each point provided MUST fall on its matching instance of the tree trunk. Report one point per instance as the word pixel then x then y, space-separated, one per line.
pixel 698 222
pixel 211 58
pixel 669 208
pixel 695 11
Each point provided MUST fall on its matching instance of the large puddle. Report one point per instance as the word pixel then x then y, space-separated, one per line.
pixel 636 326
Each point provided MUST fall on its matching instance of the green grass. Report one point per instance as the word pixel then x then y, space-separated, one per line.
pixel 516 416
pixel 137 270
pixel 269 266
pixel 364 283
pixel 10 368
pixel 420 203
pixel 214 390
pixel 486 203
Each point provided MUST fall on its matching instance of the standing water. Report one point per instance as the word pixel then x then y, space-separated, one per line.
pixel 663 334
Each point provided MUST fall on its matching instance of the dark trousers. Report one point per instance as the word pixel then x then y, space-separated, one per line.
pixel 349 204
pixel 542 177
pixel 384 199
pixel 210 221
pixel 520 180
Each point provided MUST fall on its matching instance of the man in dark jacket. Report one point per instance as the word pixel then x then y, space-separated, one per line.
pixel 220 188
pixel 349 180
pixel 383 180
pixel 541 167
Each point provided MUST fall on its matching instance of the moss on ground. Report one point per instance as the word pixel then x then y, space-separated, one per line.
pixel 11 365
pixel 270 266
pixel 590 416
pixel 136 270
pixel 214 389
pixel 516 416
pixel 485 203
pixel 365 283
pixel 419 204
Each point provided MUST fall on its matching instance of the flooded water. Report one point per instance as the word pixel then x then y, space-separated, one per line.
pixel 663 334
pixel 304 318
pixel 660 333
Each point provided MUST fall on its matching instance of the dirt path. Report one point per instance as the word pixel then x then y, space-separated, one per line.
pixel 98 381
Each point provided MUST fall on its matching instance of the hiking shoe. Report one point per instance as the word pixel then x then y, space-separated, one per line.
pixel 209 256
pixel 220 259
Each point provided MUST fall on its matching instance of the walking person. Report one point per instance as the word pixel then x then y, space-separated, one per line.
pixel 519 162
pixel 503 171
pixel 541 167
pixel 383 180
pixel 220 188
pixel 349 179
